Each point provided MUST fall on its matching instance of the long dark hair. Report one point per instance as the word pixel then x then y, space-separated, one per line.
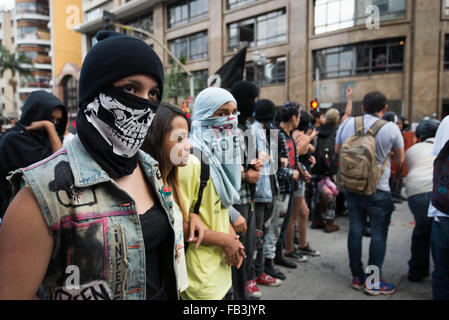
pixel 152 145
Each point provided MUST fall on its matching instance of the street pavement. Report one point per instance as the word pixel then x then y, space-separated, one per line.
pixel 328 277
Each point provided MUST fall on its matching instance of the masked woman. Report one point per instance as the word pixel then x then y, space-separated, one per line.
pixel 34 137
pixel 214 134
pixel 84 220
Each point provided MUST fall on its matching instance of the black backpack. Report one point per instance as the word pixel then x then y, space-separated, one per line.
pixel 326 158
pixel 440 192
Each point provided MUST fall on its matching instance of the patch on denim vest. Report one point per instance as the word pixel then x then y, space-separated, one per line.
pixel 95 290
pixel 118 261
pixel 67 194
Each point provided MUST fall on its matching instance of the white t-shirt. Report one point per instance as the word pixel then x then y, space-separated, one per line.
pixel 419 159
pixel 441 137
pixel 388 138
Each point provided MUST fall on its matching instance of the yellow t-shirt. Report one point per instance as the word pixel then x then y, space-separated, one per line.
pixel 209 276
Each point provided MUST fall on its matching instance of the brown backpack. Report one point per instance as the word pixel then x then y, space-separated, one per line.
pixel 358 171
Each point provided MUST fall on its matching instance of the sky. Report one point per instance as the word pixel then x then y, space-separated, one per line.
pixel 6 4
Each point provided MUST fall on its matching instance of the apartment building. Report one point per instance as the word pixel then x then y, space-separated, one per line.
pixel 399 47
pixel 33 39
pixel 8 105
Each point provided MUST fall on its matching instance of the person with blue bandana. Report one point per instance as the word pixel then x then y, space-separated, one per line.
pixel 214 133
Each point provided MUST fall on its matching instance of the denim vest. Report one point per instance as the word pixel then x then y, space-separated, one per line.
pixel 95 226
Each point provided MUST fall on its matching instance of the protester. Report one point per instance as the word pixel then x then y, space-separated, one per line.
pixel 34 137
pixel 439 239
pixel 214 125
pixel 288 176
pixel 300 209
pixel 318 117
pixel 246 94
pixel 266 189
pixel 378 206
pixel 418 186
pixel 93 194
pixel 326 169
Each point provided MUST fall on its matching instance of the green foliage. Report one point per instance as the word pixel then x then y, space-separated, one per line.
pixel 9 61
pixel 177 86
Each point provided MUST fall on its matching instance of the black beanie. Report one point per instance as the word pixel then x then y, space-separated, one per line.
pixel 245 93
pixel 265 110
pixel 114 57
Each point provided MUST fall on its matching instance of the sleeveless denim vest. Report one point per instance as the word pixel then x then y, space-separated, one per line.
pixel 98 244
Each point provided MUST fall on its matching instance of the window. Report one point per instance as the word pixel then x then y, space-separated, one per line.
pixel 332 15
pixel 37 7
pixel 259 31
pixel 33 29
pixel 272 73
pixel 200 81
pixel 191 47
pixel 187 11
pixel 446 52
pixel 98 11
pixel 238 3
pixel 446 8
pixel 363 58
pixel 144 22
pixel 70 93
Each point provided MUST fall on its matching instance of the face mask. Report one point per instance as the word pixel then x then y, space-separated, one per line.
pixel 221 136
pixel 122 119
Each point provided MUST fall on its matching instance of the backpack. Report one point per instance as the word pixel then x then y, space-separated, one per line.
pixel 204 177
pixel 326 158
pixel 358 171
pixel 440 192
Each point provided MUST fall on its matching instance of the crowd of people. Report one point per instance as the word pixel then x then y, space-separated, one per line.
pixel 148 203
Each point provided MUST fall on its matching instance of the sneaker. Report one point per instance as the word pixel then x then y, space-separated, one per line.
pixel 252 290
pixel 358 283
pixel 307 250
pixel 271 270
pixel 296 256
pixel 281 261
pixel 268 280
pixel 416 278
pixel 384 288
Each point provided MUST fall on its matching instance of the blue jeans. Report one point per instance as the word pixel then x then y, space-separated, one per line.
pixel 420 259
pixel 378 207
pixel 440 252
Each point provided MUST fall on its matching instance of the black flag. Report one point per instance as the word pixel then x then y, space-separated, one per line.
pixel 231 71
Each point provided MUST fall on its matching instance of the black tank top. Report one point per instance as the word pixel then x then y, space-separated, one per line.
pixel 156 230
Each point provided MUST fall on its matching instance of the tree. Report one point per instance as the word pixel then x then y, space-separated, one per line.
pixel 177 85
pixel 9 61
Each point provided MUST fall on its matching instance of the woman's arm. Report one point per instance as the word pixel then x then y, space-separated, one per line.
pixel 25 248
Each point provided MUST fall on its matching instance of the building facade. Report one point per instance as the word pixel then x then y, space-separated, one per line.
pixel 66 51
pixel 33 39
pixel 303 49
pixel 8 104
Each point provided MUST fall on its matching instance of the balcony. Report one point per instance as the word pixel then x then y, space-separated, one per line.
pixel 126 11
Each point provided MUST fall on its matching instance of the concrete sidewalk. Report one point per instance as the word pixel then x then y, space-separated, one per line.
pixel 328 276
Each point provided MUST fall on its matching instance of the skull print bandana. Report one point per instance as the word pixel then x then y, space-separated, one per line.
pixel 113 127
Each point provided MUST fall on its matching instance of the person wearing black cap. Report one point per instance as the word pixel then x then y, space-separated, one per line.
pixel 97 209
pixel 267 188
pixel 246 93
pixel 34 137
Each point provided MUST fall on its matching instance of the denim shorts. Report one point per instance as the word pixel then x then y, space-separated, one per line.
pixel 300 192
